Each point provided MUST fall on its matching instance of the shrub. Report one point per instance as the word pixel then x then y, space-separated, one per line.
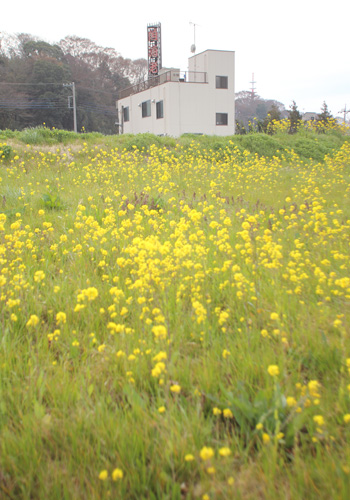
pixel 5 151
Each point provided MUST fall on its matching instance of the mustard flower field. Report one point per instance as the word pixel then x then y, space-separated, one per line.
pixel 174 322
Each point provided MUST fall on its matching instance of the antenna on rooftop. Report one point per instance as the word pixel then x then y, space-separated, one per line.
pixel 252 90
pixel 193 46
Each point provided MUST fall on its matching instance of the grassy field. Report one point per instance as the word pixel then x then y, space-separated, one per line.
pixel 174 317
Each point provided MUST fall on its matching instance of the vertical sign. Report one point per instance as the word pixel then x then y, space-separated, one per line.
pixel 154 47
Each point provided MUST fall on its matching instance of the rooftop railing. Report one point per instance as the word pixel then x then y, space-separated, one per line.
pixel 172 75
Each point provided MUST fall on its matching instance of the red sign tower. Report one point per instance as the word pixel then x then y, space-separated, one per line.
pixel 154 49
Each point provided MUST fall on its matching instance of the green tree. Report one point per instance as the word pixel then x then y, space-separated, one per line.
pixel 48 96
pixel 294 117
pixel 325 116
pixel 274 114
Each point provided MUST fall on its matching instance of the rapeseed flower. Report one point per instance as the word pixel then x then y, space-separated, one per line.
pixel 117 474
pixel 206 453
pixel 273 370
pixel 61 318
pixel 266 438
pixel 33 320
pixel 103 475
pixel 225 451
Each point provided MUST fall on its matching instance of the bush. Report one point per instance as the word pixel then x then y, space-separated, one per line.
pixel 5 151
pixel 44 135
pixel 260 144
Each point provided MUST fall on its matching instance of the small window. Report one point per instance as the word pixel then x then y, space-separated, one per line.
pixel 160 109
pixel 221 118
pixel 146 109
pixel 126 115
pixel 222 82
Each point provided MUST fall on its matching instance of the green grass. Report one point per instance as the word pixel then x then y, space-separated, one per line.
pixel 200 264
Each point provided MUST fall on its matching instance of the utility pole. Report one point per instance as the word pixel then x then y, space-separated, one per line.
pixel 345 112
pixel 74 105
pixel 252 90
pixel 74 109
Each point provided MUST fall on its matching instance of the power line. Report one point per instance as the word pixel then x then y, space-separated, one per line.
pixel 95 90
pixel 31 84
pixel 63 84
pixel 57 104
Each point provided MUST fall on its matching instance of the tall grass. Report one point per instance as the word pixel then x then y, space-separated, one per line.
pixel 174 318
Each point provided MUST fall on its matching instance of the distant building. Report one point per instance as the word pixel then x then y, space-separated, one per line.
pixel 309 116
pixel 198 101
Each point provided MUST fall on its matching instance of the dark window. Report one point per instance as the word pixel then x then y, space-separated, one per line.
pixel 126 115
pixel 160 109
pixel 221 118
pixel 146 109
pixel 221 82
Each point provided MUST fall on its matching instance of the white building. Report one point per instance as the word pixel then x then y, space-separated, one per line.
pixel 198 101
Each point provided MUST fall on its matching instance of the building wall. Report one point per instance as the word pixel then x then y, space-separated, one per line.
pixel 188 107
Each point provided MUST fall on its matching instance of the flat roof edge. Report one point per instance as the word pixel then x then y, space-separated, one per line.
pixel 212 50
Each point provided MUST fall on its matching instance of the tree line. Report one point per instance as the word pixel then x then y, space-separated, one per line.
pixel 255 114
pixel 36 78
pixel 36 88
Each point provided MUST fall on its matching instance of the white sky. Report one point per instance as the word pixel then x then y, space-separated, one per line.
pixel 297 50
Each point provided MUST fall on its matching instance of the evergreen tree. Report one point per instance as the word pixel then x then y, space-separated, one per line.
pixel 273 115
pixel 325 116
pixel 294 117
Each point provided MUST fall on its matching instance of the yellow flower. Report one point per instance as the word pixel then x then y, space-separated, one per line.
pixel 225 451
pixel 211 470
pixel 117 474
pixel 175 388
pixel 230 481
pixel 217 411
pixel 189 457
pixel 228 413
pixel 103 475
pixel 314 387
pixel 274 316
pixel 266 438
pixel 259 426
pixel 159 331
pixel 273 370
pixel 291 401
pixel 347 418
pixel 319 420
pixel 161 409
pixel 61 318
pixel 39 276
pixel 33 320
pixel 160 356
pixel 91 293
pixel 206 453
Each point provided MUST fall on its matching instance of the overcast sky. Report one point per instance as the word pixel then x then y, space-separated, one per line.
pixel 297 50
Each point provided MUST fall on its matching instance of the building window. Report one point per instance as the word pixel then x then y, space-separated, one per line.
pixel 160 109
pixel 146 109
pixel 222 82
pixel 126 115
pixel 221 118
